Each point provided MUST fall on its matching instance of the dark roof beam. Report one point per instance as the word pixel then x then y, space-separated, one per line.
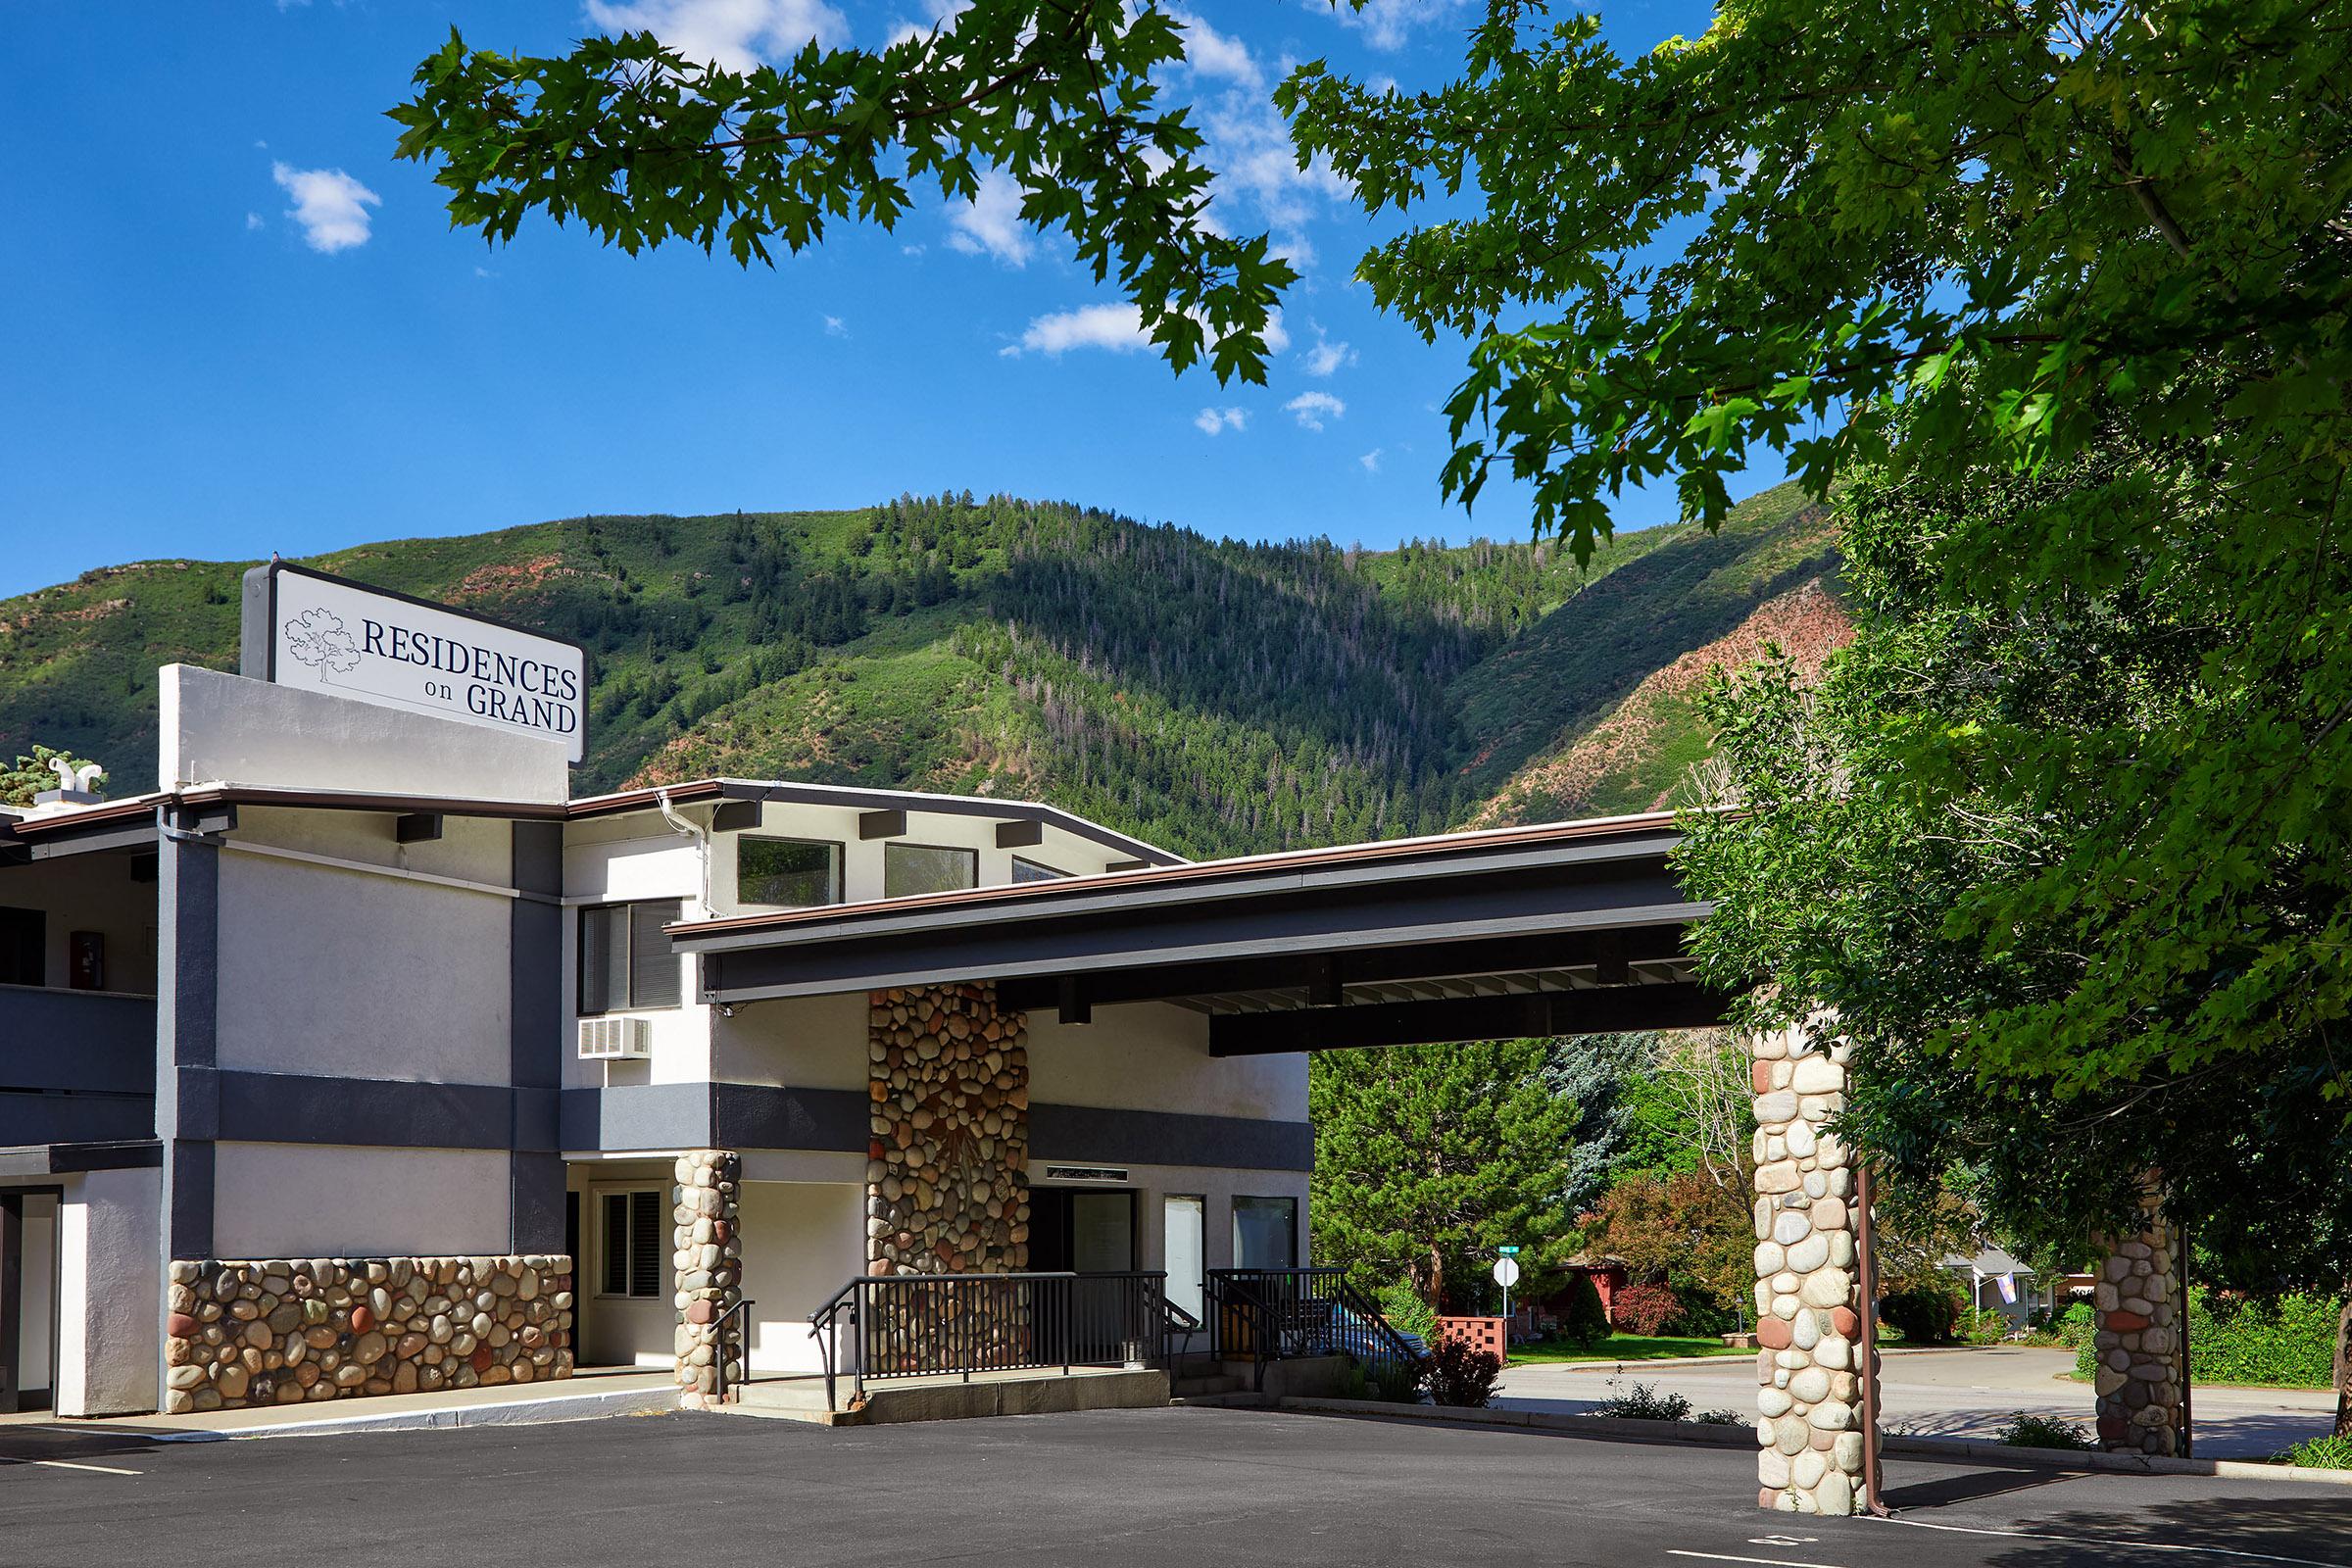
pixel 1605 1010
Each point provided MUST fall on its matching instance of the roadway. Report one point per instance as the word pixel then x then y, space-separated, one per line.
pixel 1167 1488
pixel 1961 1393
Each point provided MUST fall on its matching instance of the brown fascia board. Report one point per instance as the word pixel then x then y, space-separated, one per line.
pixel 617 803
pixel 1441 846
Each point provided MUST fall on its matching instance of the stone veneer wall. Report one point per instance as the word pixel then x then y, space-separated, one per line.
pixel 947 1175
pixel 706 1270
pixel 2137 1303
pixel 1810 1422
pixel 289 1330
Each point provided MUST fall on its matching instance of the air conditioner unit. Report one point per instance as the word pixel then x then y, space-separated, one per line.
pixel 616 1039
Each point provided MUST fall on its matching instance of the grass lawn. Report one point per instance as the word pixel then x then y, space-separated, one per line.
pixel 1623 1348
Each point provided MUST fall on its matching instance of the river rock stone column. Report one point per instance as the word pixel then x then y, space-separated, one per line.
pixel 1810 1424
pixel 706 1261
pixel 2137 1303
pixel 948 1163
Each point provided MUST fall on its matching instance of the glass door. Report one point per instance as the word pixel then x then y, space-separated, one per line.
pixel 1265 1233
pixel 1186 1223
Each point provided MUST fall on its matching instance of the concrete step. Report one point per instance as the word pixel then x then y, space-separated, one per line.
pixel 785 1400
pixel 950 1399
pixel 1192 1387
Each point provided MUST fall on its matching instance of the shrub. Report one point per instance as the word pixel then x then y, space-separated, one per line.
pixel 1407 1313
pixel 1925 1314
pixel 1982 1326
pixel 2024 1431
pixel 2332 1452
pixel 1584 1323
pixel 1643 1403
pixel 1645 1309
pixel 2280 1342
pixel 1722 1418
pixel 1457 1375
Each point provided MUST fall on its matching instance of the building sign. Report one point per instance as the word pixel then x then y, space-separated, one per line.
pixel 306 628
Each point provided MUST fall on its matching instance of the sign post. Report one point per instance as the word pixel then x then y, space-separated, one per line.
pixel 1506 1275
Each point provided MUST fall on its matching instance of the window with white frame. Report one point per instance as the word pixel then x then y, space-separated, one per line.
pixel 636 1243
pixel 626 961
pixel 787 873
pixel 913 868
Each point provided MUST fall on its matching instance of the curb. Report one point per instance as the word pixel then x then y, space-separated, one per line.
pixel 512 1414
pixel 1743 1436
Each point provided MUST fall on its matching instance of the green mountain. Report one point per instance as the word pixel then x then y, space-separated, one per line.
pixel 1214 696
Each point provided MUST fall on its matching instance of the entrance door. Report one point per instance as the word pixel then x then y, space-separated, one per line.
pixel 1265 1233
pixel 1083 1230
pixel 1185 1223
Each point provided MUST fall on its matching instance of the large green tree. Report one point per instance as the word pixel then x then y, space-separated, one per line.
pixel 2102 252
pixel 1951 841
pixel 1427 1158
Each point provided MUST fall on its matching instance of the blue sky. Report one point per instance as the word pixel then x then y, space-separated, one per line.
pixel 237 325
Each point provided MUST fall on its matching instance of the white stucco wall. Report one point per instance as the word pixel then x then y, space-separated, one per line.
pixel 1154 1055
pixel 344 972
pixel 623 859
pixel 220 728
pixel 802 1241
pixel 335 1200
pixel 110 1292
pixel 806 1042
pixel 862 860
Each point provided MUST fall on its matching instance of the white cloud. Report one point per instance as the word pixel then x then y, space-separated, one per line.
pixel 1208 421
pixel 1313 408
pixel 1390 24
pixel 253 221
pixel 734 34
pixel 1215 54
pixel 1371 461
pixel 1114 328
pixel 330 205
pixel 990 223
pixel 835 326
pixel 1326 357
pixel 937 15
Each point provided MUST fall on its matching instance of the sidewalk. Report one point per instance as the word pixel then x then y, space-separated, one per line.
pixel 590 1394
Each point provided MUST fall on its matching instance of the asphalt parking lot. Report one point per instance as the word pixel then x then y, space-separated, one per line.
pixel 1135 1487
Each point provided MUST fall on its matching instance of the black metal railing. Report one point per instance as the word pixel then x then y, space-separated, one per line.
pixel 740 1315
pixel 935 1325
pixel 1264 1315
pixel 1179 1328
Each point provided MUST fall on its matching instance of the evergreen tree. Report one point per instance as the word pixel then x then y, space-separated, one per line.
pixel 1429 1156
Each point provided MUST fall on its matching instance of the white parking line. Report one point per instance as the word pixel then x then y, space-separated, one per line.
pixel 2111 1544
pixel 69 1464
pixel 1768 1562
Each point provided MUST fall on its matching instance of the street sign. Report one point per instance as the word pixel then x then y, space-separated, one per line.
pixel 1507 1272
pixel 1509 1252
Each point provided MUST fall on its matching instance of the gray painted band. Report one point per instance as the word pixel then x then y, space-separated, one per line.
pixel 189 1232
pixel 51 1118
pixel 1099 1135
pixel 767 1116
pixel 282 1107
pixel 638 1117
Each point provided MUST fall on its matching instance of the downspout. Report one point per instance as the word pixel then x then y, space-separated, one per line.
pixel 701 837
